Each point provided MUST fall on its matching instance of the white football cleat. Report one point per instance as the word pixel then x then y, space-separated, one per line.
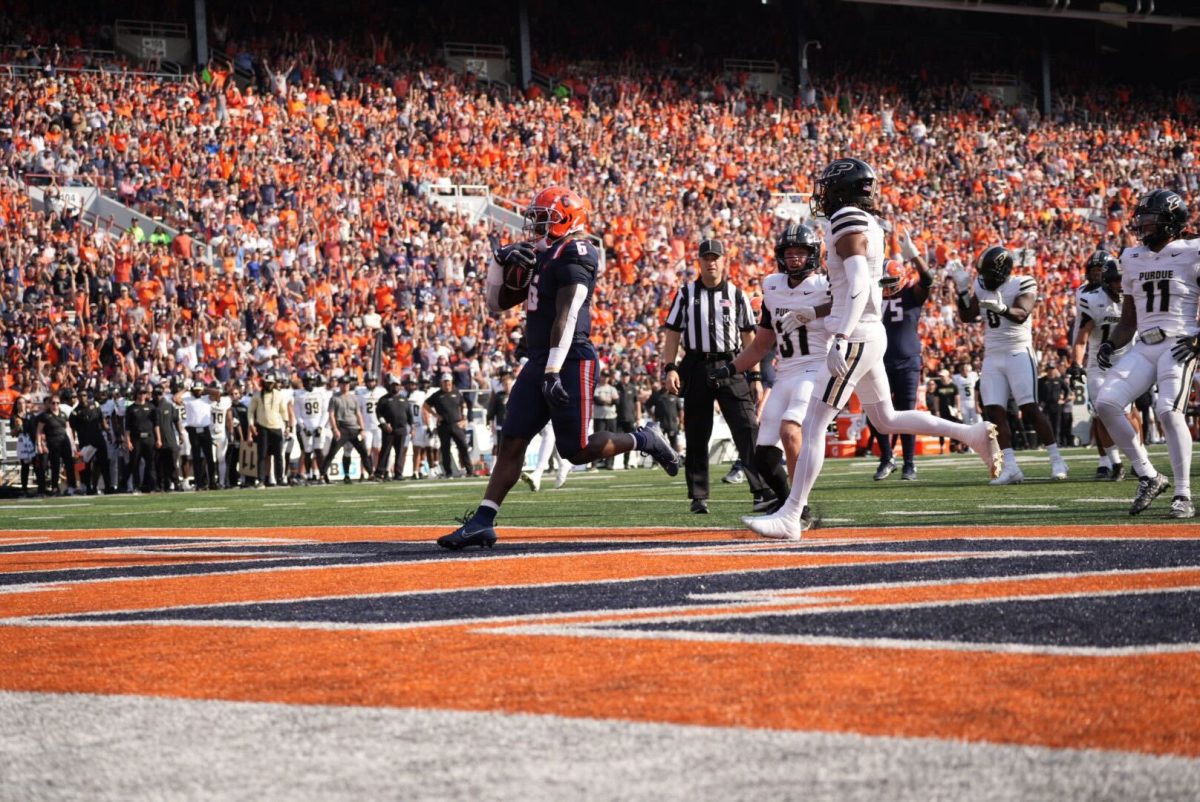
pixel 777 526
pixel 534 480
pixel 1011 475
pixel 987 446
pixel 1058 469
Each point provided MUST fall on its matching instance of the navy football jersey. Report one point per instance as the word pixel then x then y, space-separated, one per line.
pixel 570 262
pixel 901 316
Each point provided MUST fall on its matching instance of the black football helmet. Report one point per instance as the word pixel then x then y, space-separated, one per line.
pixel 1096 266
pixel 845 182
pixel 1111 279
pixel 307 381
pixel 995 266
pixel 1159 217
pixel 798 235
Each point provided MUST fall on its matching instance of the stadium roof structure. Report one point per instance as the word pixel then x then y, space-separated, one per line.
pixel 1140 12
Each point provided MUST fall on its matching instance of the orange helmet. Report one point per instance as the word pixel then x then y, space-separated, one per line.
pixel 556 212
pixel 896 276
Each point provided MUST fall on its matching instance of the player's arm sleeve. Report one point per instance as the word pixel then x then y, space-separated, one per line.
pixel 575 282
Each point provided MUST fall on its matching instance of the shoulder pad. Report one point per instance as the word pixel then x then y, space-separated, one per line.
pixel 577 251
pixel 848 220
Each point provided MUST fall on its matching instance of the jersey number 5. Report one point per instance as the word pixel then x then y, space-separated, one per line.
pixel 786 349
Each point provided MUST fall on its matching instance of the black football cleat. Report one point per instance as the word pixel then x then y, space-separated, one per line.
pixel 1148 490
pixel 700 506
pixel 468 535
pixel 658 448
pixel 885 469
pixel 808 520
pixel 909 474
pixel 1118 472
pixel 1103 474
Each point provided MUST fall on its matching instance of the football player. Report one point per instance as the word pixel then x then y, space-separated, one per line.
pixel 854 241
pixel 312 423
pixel 1097 312
pixel 792 299
pixel 221 425
pixel 545 451
pixel 553 276
pixel 904 295
pixel 368 400
pixel 1160 284
pixel 1005 304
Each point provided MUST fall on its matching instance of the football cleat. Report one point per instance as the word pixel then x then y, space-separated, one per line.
pixel 469 535
pixel 699 506
pixel 781 525
pixel 1149 488
pixel 735 476
pixel 984 443
pixel 766 504
pixel 909 473
pixel 1103 474
pixel 1058 469
pixel 658 448
pixel 1182 507
pixel 885 469
pixel 807 520
pixel 534 480
pixel 1118 472
pixel 1011 475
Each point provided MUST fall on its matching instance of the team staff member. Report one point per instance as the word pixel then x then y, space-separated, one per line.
pixel 395 421
pixel 91 427
pixel 713 320
pixel 199 416
pixel 451 408
pixel 170 434
pixel 142 438
pixel 346 422
pixel 55 445
pixel 270 416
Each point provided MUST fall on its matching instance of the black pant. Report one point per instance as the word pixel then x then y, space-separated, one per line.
pixel 628 427
pixel 167 458
pixel 96 468
pixel 733 396
pixel 347 437
pixel 448 432
pixel 58 453
pixel 604 425
pixel 270 446
pixel 204 465
pixel 143 451
pixel 395 439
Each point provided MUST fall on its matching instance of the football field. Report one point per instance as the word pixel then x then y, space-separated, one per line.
pixel 936 639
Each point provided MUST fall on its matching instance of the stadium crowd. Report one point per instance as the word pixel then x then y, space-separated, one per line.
pixel 307 233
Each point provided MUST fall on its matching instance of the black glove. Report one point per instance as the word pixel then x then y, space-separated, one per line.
pixel 554 392
pixel 1186 348
pixel 1076 374
pixel 719 373
pixel 1104 355
pixel 518 261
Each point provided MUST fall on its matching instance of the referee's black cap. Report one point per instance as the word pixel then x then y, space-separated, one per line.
pixel 712 247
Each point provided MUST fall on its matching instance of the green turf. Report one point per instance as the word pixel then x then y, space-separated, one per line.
pixel 949 490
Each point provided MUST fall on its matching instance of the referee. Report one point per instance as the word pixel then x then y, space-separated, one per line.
pixel 713 320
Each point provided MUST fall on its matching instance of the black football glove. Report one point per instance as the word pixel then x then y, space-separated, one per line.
pixel 1186 348
pixel 518 261
pixel 554 392
pixel 719 373
pixel 1104 355
pixel 1076 374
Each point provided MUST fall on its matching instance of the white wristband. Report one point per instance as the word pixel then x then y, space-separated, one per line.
pixel 555 361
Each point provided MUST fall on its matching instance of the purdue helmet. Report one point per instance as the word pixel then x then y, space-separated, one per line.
pixel 307 381
pixel 995 266
pixel 798 235
pixel 1097 264
pixel 845 182
pixel 1159 217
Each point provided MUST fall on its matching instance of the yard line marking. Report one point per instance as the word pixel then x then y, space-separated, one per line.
pixel 422 496
pixel 357 500
pixel 205 509
pixel 387 512
pixel 1018 506
pixel 136 512
pixel 1113 500
pixel 288 504
pixel 43 506
pixel 42 518
pixel 921 512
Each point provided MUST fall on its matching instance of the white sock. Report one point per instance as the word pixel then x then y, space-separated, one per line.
pixel 1052 450
pixel 1114 455
pixel 1123 435
pixel 1010 458
pixel 811 459
pixel 1105 462
pixel 1179 446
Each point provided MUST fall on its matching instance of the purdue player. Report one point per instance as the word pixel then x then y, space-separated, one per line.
pixel 1097 312
pixel 553 276
pixel 368 401
pixel 221 425
pixel 792 299
pixel 854 243
pixel 1160 289
pixel 1005 304
pixel 312 414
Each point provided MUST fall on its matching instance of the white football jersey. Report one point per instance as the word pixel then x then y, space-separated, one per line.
pixel 1105 313
pixel 312 407
pixel 807 344
pixel 1164 285
pixel 851 220
pixel 1001 335
pixel 220 413
pixel 368 400
pixel 966 388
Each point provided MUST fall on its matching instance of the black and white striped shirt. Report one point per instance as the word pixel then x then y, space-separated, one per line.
pixel 711 320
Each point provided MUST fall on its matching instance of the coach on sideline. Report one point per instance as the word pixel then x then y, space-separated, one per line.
pixel 714 321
